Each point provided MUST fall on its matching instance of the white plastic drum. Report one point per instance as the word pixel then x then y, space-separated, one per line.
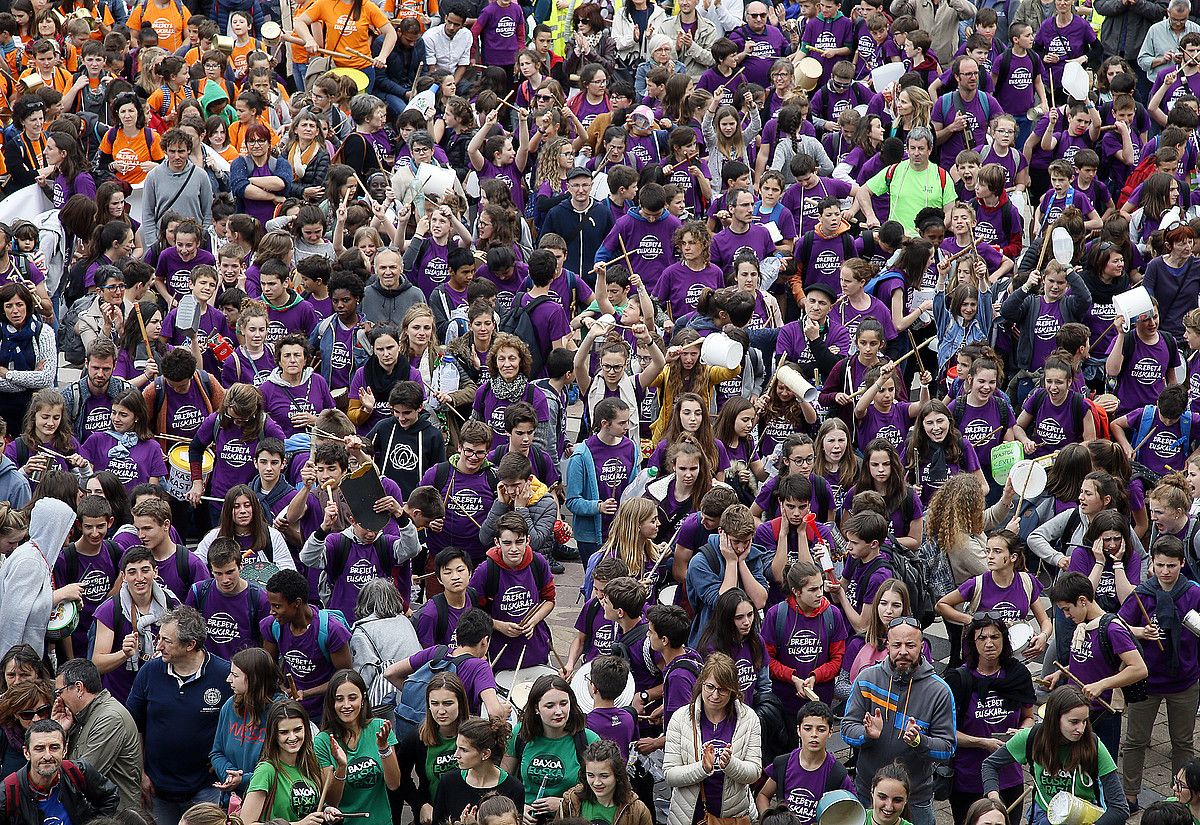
pixel 1020 635
pixel 583 696
pixel 1028 479
pixel 517 685
pixel 667 594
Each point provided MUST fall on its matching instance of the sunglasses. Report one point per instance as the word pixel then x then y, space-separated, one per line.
pixel 899 621
pixel 42 712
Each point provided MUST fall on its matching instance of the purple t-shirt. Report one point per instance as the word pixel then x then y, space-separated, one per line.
pixel 892 425
pixel 517 593
pixel 119 682
pixel 550 323
pixel 490 409
pixel 803 646
pixel 242 368
pixel 1054 426
pixel 651 245
pixel 1015 92
pixel 167 572
pixel 303 657
pixel 680 286
pixel 599 633
pixel 1167 676
pixel 501 26
pixel 506 288
pixel 1087 660
pixel 913 510
pixel 426 623
pixel 475 673
pixel 682 176
pixel 976 114
pixel 979 425
pixel 145 459
pixel 727 245
pixel 227 618
pixel 679 682
pixel 984 717
pixel 803 202
pixel 185 412
pixel 802 789
pixel 928 485
pixel 1010 602
pixel 176 273
pixel 234 454
pixel 1144 374
pixel 212 323
pixel 298 316
pixel 1083 560
pixel 766 47
pixel 861 586
pixel 1045 327
pixel 617 725
pixel 95 576
pixel 721 737
pixel 850 317
pixel 1069 41
pixel 1162 446
pixel 614 470
pixel 511 174
pixel 282 402
pixel 468 498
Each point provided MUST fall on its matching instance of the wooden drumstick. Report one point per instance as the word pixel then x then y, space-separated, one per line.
pixel 137 310
pixel 1146 616
pixel 1079 682
pixel 1018 800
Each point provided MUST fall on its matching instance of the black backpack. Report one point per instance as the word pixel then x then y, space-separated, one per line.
pixel 908 568
pixel 202 589
pixel 519 322
pixel 71 555
pixel 441 626
pixel 1139 690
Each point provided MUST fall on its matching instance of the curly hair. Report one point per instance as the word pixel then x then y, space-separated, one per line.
pixel 956 512
pixel 503 340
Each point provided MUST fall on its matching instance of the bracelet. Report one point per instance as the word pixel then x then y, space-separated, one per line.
pixel 384 754
pixel 341 778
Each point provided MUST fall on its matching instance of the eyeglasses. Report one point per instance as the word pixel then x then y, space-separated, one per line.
pixel 613 367
pixel 256 140
pixel 904 620
pixel 802 460
pixel 113 286
pixel 601 81
pixel 547 97
pixel 716 690
pixel 467 451
pixel 990 614
pixel 40 712
pixel 59 691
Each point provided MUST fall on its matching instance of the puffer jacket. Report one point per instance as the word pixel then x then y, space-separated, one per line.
pixel 685 771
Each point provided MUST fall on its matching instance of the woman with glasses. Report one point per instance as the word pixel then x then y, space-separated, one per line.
pixel 591 41
pixel 797 455
pixel 592 100
pixel 993 692
pixel 232 434
pixel 1063 753
pixel 258 180
pixel 20 707
pixel 713 752
pixel 1185 785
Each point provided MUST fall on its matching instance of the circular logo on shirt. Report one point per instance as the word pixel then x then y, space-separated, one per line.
pixel 496 420
pixel 801 803
pixel 1020 78
pixel 1059 45
pixel 808 207
pixel 164 27
pixel 98 418
pixel 1069 154
pixel 345 25
pixel 235 453
pixel 212 697
pixel 298 407
pixel 506 27
pixel 275 331
pixel 95 585
pixel 892 434
pixel 506 179
pixel 991 710
pixel 649 248
pixel 613 472
pixel 840 106
pixel 187 419
pixel 222 628
pixel 299 663
pixel 361 572
pixel 339 356
pixel 804 646
pixel 603 638
pixel 123 468
pixel 466 503
pixel 126 158
pixel 1108 584
pixel 978 431
pixel 1011 613
pixel 1104 312
pixel 363 772
pixel 985 233
pixel 1050 431
pixel 1045 327
pixel 746 674
pixel 180 282
pixel 693 294
pixel 763 50
pixel 640 153
pixel 826 41
pixel 516 600
pixel 1147 371
pixel 436 270
pixel 403 458
pixel 827 262
pixel 1162 444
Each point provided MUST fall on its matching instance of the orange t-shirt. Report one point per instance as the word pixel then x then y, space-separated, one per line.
pixel 237 58
pixel 164 107
pixel 237 133
pixel 403 9
pixel 299 53
pixel 132 151
pixel 343 34
pixel 61 82
pixel 169 23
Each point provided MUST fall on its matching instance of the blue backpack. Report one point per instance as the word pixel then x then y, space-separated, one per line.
pixel 410 706
pixel 322 628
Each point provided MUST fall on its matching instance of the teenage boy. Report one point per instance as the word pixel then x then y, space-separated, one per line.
pixel 230 605
pixel 449 300
pixel 606 682
pixel 600 468
pixel 356 555
pixel 799 779
pixel 822 250
pixel 92 561
pixel 178 567
pixel 865 571
pixel 521 422
pixel 287 312
pixel 622 194
pixel 438 619
pixel 595 633
pixel 274 494
pixel 181 397
pixel 323 474
pixel 680 664
pixel 1018 74
pixel 1087 167
pixel 1158 436
pixel 173 272
pixel 515 586
pixel 210 324
pixel 407 443
pixel 720 76
pixel 551 325
pixel 467 484
pixel 339 337
pixel 1173 652
pixel 552 433
pixel 997 221
pixel 521 493
pixel 312 644
pixel 315 272
pixel 470 657
pixel 624 600
pixel 1122 146
pixel 581 222
pixel 790 534
pixel 647 232
pixel 1061 195
pixel 1104 654
pixel 730 559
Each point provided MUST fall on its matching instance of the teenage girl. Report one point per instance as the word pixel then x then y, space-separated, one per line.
pixel 1054 415
pixel 883 472
pixel 128 447
pixel 835 461
pixel 937 451
pixel 878 413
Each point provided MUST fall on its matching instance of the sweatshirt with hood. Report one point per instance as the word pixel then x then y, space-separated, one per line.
pixel 26 592
pixel 922 696
pixel 280 398
pixel 405 453
pixel 540 516
pixel 650 244
pixel 381 306
pixel 14 485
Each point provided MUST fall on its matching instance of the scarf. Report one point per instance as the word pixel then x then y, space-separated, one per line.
pixel 378 379
pixel 1166 613
pixel 17 345
pixel 938 470
pixel 1081 632
pixel 144 624
pixel 510 391
pixel 125 443
pixel 1013 684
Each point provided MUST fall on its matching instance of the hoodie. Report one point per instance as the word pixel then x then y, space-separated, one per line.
pixel 382 306
pixel 540 516
pixel 405 453
pixel 14 485
pixel 26 592
pixel 215 93
pixel 705 572
pixel 922 696
pixel 650 244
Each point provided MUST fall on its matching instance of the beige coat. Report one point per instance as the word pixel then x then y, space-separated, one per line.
pixel 685 770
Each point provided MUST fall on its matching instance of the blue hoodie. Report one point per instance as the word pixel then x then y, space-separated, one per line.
pixel 14 486
pixel 238 744
pixel 705 572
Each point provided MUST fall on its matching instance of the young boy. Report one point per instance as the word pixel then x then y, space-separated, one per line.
pixel 174 268
pixel 997 221
pixel 624 600
pixel 287 312
pixel 706 571
pixel 595 634
pixel 1100 663
pixel 875 46
pixel 823 249
pixel 966 170
pixel 606 682
pixel 438 619
pixel 830 35
pixel 1121 147
pixel 408 443
pixel 865 571
pixel 449 300
pixel 1158 436
pixel 552 433
pixel 830 106
pixel 689 171
pixel 799 779
pixel 467 484
pixel 680 664
pixel 918 56
pixel 516 587
pixel 1087 182
pixel 810 188
pixel 178 568
pixel 315 273
pixel 521 422
pixel 726 55
pixel 274 493
pixel 92 561
pixel 1063 194
pixel 523 494
pixel 211 324
pixel 622 190
pixel 231 606
pixel 1019 79
pixel 470 659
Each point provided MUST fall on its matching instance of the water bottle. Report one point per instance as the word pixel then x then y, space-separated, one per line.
pixel 445 379
pixel 638 486
pixel 424 100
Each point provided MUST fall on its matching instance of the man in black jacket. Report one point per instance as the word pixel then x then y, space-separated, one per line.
pixel 581 221
pixel 54 789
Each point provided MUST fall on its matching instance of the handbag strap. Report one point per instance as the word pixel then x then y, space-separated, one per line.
pixel 699 756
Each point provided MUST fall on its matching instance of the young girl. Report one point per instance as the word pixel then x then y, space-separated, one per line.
pixel 724 136
pixel 807 615
pixel 287 781
pixel 679 493
pixel 890 603
pixel 685 373
pixel 734 431
pixel 849 375
pixel 480 747
pixel 233 434
pixel 1110 557
pixel 781 415
pixel 880 415
pixel 889 796
pixel 835 461
pixel 883 473
pixel 1003 152
pixel 857 304
pixel 690 417
pixel 46 425
pixel 216 137
pixel 251 362
pixel 605 791
pixel 1055 415
pixel 425 255
pixel 134 364
pixel 427 750
pixel 128 449
pixel 631 539
pixel 937 451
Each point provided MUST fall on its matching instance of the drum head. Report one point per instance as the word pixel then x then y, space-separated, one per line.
pixel 1028 479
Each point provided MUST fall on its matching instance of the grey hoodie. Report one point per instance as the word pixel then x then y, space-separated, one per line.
pixel 382 306
pixel 26 594
pixel 924 697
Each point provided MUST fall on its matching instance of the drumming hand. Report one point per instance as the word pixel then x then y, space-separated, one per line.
pixel 68 593
pixel 510 629
pixel 129 645
pixel 1029 445
pixel 1092 691
pixel 38 463
pixel 1037 647
pixel 381 735
pixel 332 515
pixel 1150 633
pixel 195 493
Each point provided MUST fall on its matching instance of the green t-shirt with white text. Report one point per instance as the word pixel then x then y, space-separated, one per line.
pixel 551 760
pixel 364 791
pixel 1079 782
pixel 295 796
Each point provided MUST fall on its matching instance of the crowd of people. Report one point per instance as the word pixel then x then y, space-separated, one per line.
pixel 384 314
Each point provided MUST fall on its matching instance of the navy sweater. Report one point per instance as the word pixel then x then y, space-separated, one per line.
pixel 179 724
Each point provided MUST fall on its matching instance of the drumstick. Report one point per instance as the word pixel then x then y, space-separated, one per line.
pixel 916 350
pixel 553 649
pixel 1146 616
pixel 1144 440
pixel 624 256
pixel 1018 800
pixel 625 253
pixel 137 310
pixel 1077 681
pixel 1024 487
pixel 51 452
pixel 325 789
pixel 1048 233
pixel 895 363
pixel 367 57
pixel 213 499
pixel 177 438
pixel 520 661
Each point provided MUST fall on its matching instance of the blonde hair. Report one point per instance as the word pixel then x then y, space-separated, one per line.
pixel 548 168
pixel 922 105
pixel 625 540
pixel 207 813
pixel 250 308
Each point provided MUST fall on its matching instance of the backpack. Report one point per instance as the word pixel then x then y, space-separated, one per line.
pixel 1080 406
pixel 1185 429
pixel 203 382
pixel 1138 691
pixel 872 286
pixel 201 590
pixel 1140 174
pixel 337 556
pixel 71 554
pixel 828 623
pixel 833 780
pixel 634 643
pixel 806 245
pixel 1007 416
pixel 322 628
pixel 12 789
pixel 1026 580
pixel 491 580
pixel 954 99
pixel 410 704
pixel 907 567
pixel 519 322
pixel 69 342
pixel 441 624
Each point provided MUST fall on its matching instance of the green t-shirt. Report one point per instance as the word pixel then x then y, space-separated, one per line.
pixel 912 191
pixel 1078 783
pixel 598 814
pixel 552 760
pixel 440 760
pixel 365 791
pixel 295 796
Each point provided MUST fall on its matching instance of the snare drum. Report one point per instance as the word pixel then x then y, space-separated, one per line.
pixel 583 696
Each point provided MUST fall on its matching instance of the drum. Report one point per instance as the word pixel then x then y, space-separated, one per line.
pixel 667 594
pixel 517 684
pixel 1020 636
pixel 271 31
pixel 808 73
pixel 359 77
pixel 64 618
pixel 583 696
pixel 179 479
pixel 1191 620
pixel 840 808
pixel 1068 809
pixel 224 43
pixel 1108 402
pixel 1028 479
